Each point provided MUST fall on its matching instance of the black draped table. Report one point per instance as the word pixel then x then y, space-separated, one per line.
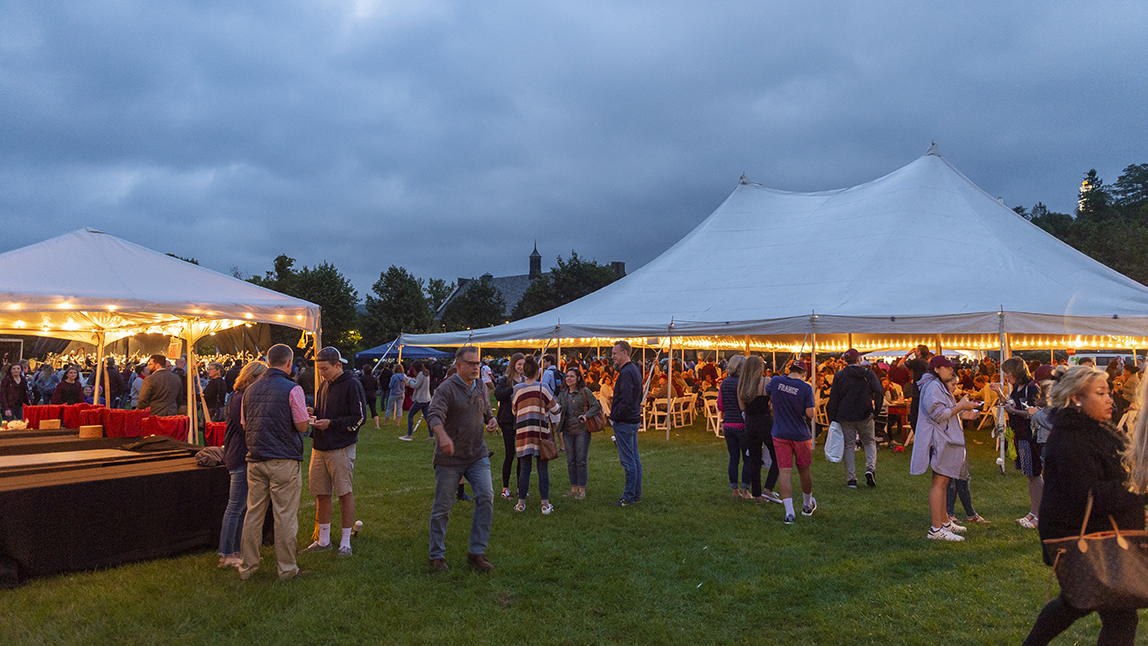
pixel 70 504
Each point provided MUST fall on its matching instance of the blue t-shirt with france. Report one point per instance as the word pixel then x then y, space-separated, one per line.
pixel 790 398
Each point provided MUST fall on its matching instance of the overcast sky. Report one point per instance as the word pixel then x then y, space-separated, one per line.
pixel 446 136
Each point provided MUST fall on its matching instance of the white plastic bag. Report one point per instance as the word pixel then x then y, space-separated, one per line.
pixel 835 443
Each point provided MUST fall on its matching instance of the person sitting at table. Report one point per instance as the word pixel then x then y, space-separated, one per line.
pixel 69 391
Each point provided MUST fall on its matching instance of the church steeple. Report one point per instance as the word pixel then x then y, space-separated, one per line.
pixel 535 262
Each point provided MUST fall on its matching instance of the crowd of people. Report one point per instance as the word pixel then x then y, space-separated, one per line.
pixel 1059 421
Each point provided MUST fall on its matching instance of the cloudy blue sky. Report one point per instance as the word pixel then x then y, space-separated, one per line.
pixel 446 136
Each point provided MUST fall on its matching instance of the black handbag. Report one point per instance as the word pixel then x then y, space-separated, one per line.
pixel 1103 570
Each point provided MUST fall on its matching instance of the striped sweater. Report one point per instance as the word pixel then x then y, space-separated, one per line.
pixel 532 405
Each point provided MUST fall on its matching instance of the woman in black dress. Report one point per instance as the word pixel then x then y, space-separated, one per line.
pixel 754 403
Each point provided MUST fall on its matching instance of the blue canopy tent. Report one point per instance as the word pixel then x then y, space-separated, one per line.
pixel 391 351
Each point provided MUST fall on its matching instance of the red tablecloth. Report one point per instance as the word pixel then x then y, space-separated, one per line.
pixel 90 416
pixel 215 432
pixel 124 423
pixel 175 426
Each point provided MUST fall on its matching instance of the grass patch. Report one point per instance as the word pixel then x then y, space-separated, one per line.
pixel 687 565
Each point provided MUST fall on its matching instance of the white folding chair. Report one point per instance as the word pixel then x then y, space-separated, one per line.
pixel 713 416
pixel 656 414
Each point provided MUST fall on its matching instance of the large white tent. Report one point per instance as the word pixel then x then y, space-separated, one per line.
pixel 90 286
pixel 920 255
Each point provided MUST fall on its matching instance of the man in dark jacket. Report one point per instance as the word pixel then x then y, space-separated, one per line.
pixel 626 415
pixel 855 396
pixel 274 417
pixel 340 408
pixel 161 389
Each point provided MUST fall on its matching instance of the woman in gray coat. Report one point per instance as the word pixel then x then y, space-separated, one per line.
pixel 940 442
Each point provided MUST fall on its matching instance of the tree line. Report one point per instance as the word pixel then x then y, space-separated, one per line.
pixel 1110 223
pixel 400 302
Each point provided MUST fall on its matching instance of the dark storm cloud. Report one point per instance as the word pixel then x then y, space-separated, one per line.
pixel 446 137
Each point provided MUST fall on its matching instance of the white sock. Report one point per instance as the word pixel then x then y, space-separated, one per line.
pixel 934 530
pixel 807 498
pixel 324 533
pixel 788 502
pixel 346 542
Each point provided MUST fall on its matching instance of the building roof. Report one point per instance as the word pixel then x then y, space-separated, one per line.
pixel 511 288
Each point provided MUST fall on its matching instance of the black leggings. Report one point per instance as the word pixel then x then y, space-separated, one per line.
pixel 508 436
pixel 1117 627
pixel 372 402
pixel 757 440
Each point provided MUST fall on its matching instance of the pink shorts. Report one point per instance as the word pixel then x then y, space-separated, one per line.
pixel 786 450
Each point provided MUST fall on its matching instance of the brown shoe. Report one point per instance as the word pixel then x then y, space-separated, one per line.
pixel 438 565
pixel 479 561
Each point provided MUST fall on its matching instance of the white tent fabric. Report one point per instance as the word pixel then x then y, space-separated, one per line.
pixel 920 251
pixel 87 282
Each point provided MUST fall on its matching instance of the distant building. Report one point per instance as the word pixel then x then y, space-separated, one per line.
pixel 511 288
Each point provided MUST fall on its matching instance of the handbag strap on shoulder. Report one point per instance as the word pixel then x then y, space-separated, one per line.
pixel 1087 513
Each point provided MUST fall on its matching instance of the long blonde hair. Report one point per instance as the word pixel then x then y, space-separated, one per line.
pixel 1072 383
pixel 249 374
pixel 1136 453
pixel 749 380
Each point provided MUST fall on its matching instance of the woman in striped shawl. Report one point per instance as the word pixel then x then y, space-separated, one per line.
pixel 532 404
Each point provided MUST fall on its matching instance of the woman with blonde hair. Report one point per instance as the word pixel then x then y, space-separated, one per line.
pixel 235 457
pixel 733 428
pixel 1082 460
pixel 753 399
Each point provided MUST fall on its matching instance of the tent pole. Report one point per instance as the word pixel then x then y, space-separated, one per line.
pixel 315 355
pixel 813 382
pixel 996 414
pixel 100 372
pixel 670 390
pixel 192 377
pixel 1052 356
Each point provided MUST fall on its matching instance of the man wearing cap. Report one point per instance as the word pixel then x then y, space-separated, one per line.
pixel 793 407
pixel 855 396
pixel 340 408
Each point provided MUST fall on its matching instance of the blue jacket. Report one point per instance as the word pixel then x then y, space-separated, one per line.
pixel 627 404
pixel 269 427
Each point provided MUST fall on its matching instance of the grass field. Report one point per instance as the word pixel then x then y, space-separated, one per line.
pixel 688 565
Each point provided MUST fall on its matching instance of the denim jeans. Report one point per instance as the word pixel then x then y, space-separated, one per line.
pixel 626 437
pixel 737 445
pixel 524 464
pixel 416 407
pixel 236 511
pixel 577 451
pixel 445 488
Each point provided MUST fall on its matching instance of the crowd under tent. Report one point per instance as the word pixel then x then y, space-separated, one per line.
pixel 93 287
pixel 919 256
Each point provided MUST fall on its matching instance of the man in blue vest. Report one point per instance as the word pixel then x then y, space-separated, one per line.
pixel 274 418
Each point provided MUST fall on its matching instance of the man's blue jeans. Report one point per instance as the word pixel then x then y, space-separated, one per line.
pixel 445 488
pixel 626 437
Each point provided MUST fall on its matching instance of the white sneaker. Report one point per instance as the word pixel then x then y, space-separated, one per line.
pixel 943 534
pixel 955 528
pixel 547 508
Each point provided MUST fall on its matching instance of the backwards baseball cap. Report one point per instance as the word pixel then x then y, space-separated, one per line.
pixel 940 361
pixel 798 365
pixel 330 355
pixel 851 355
pixel 1043 373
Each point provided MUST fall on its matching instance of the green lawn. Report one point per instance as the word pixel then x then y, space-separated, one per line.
pixel 687 565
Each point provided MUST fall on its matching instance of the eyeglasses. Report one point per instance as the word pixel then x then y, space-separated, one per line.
pixel 472 364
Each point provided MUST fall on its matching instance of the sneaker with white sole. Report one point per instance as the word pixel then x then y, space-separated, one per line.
pixel 870 479
pixel 344 552
pixel 769 496
pixel 807 510
pixel 547 508
pixel 789 519
pixel 315 548
pixel 406 438
pixel 955 528
pixel 943 534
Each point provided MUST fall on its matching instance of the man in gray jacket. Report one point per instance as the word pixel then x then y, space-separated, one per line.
pixel 161 389
pixel 855 396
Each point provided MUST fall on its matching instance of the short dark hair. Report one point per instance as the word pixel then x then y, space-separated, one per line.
pixel 466 349
pixel 550 358
pixel 159 360
pixel 279 355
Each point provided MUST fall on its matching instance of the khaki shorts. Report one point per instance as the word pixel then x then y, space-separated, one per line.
pixel 332 470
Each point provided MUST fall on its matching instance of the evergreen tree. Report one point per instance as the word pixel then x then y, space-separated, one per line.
pixel 398 305
pixel 478 306
pixel 437 291
pixel 567 281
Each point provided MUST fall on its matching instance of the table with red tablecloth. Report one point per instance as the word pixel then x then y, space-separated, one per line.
pixel 214 433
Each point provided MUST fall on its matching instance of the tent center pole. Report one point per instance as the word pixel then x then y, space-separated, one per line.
pixel 813 382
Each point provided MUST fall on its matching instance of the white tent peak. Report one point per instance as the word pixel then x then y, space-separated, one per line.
pixel 934 149
pixel 922 250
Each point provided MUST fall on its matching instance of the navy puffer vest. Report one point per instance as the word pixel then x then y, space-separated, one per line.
pixel 270 429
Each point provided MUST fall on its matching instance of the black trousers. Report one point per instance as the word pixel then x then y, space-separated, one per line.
pixel 1117 627
pixel 508 436
pixel 758 439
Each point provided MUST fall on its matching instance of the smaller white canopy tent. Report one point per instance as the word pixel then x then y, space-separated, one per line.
pixel 90 286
